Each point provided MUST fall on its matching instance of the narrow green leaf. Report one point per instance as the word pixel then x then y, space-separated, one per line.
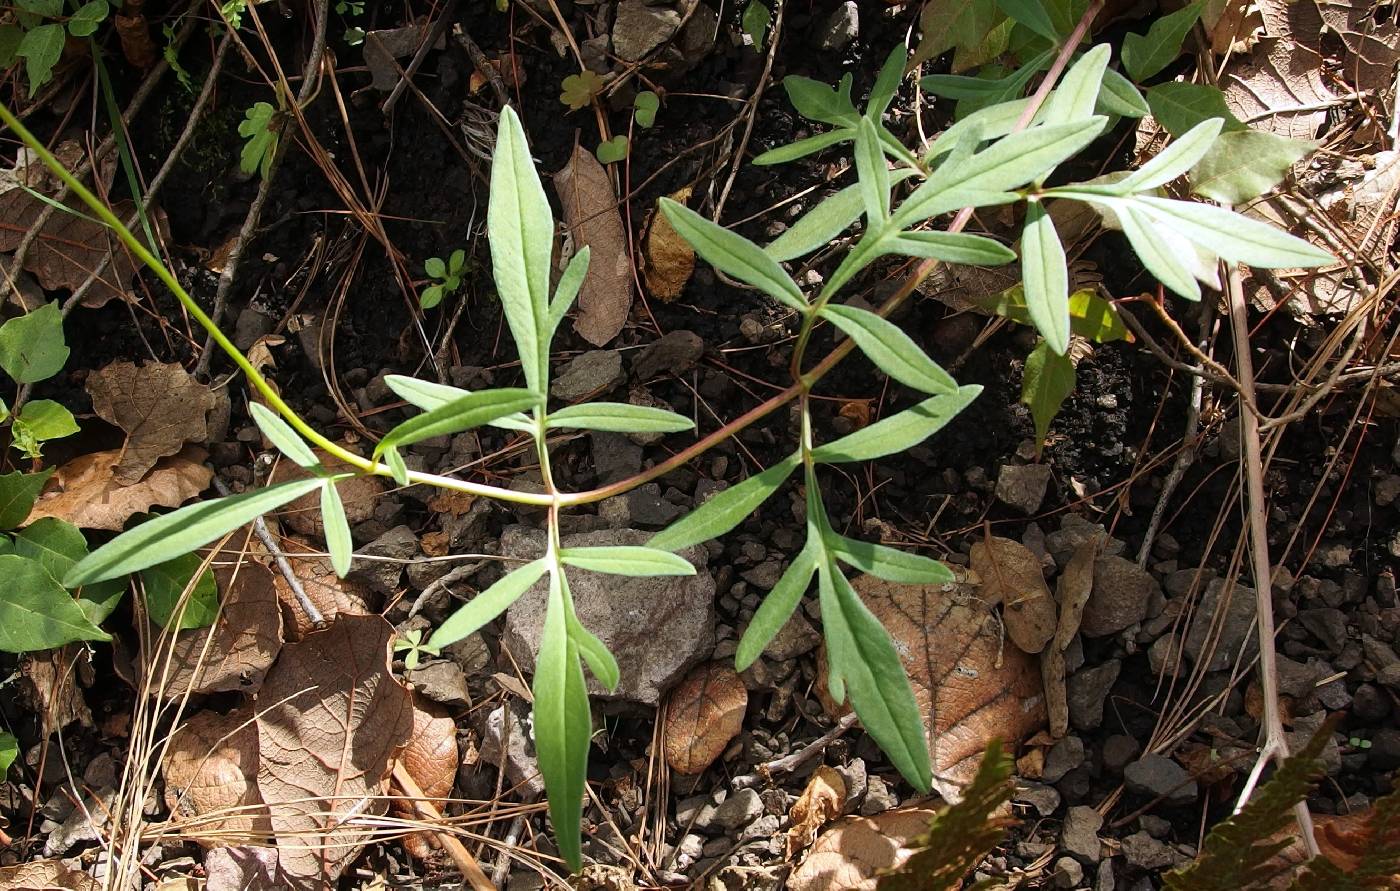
pixel 567 290
pixel 1147 54
pixel 816 101
pixel 725 510
pixel 783 154
pixel 520 229
pixel 596 653
pixel 31 345
pixel 778 605
pixel 627 560
pixel 992 122
pixel 173 534
pixel 1162 252
pixel 618 417
pixel 1046 277
pixel 461 414
pixel 900 431
pixel 563 725
pixel 890 564
pixel 887 83
pixel 1090 316
pixel 1180 106
pixel 1175 159
pixel 1231 236
pixel 734 254
pixel 1243 165
pixel 818 226
pixel 281 435
pixel 893 351
pixel 950 247
pixel 1034 15
pixel 18 492
pixel 1046 383
pixel 338 543
pixel 872 173
pixel 1078 91
pixel 1120 96
pixel 428 395
pixel 165 584
pixel 397 467
pixel 9 749
pixel 488 604
pixel 36 613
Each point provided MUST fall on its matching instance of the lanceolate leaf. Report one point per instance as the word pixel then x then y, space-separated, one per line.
pixel 618 417
pixel 599 658
pixel 1175 159
pixel 1032 14
pixel 873 173
pixel 1047 382
pixel 1161 252
pixel 1245 164
pixel 890 564
pixel 338 543
pixel 734 254
pixel 281 435
pixel 778 605
pixel 1146 54
pixel 567 289
pixel 488 604
pixel 898 432
pixel 725 510
pixel 461 414
pixel 188 528
pixel 1231 236
pixel 819 225
pixel 520 228
pixel 397 467
pixel 1119 96
pixel 891 73
pixel 950 247
pixel 1046 277
pixel 1078 91
pixel 891 349
pixel 804 147
pixel 627 560
pixel 428 395
pixel 36 613
pixel 563 725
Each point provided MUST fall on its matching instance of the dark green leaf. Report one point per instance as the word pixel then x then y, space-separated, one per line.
pixel 435 267
pixel 816 101
pixel 778 605
pixel 1146 54
pixel 618 417
pixel 725 510
pixel 898 432
pixel 9 746
pixel 31 345
pixel 755 22
pixel 41 48
pixel 488 604
pixel 887 83
pixel 84 22
pixel 18 492
pixel 36 613
pixel 734 254
pixel 893 351
pixel 54 544
pixel 1034 15
pixel 461 414
pixel 1046 383
pixel 1180 106
pixel 166 583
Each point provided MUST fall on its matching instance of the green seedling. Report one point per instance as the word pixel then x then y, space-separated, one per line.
pixel 447 278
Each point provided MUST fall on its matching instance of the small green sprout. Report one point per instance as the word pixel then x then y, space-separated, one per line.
pixel 448 278
pixel 259 129
pixel 410 643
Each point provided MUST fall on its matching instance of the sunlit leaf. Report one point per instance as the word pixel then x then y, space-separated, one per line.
pixel 36 612
pixel 890 564
pixel 618 417
pixel 733 254
pixel 725 510
pixel 1046 277
pixel 488 604
pixel 338 543
pixel 1245 164
pixel 281 435
pixel 893 351
pixel 461 414
pixel 626 560
pixel 778 605
pixel 899 431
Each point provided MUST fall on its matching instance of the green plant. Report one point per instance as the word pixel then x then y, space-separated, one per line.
pixel 39 32
pixel 411 644
pixel 578 90
pixel 755 22
pixel 999 155
pixel 447 278
pixel 9 751
pixel 259 129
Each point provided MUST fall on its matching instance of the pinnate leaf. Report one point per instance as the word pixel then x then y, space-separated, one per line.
pixel 778 605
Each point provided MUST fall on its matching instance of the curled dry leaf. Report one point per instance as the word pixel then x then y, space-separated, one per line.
pixel 85 492
pixel 431 758
pixel 210 771
pixel 1011 576
pixel 705 713
pixel 161 407
pixel 670 260
pixel 850 855
pixel 822 801
pixel 331 721
pixel 968 685
pixel 1072 591
pixel 332 595
pixel 304 514
pixel 49 687
pixel 45 875
pixel 591 213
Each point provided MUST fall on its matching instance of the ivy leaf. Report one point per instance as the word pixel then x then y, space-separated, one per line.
pixel 755 22
pixel 1033 14
pixel 898 432
pixel 1181 106
pixel 1245 164
pixel 579 89
pixel 165 584
pixel 84 22
pixel 18 492
pixel 628 560
pixel 563 725
pixel 893 351
pixel 778 605
pixel 37 613
pixel 31 345
pixel 487 605
pixel 1046 277
pixel 1046 383
pixel 725 510
pixel 618 417
pixel 1146 54
pixel 733 254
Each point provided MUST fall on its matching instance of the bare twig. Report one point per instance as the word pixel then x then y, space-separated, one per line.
pixel 449 10
pixel 795 760
pixel 466 863
pixel 481 64
pixel 269 541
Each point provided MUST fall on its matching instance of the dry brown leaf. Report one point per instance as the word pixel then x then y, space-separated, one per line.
pixel 706 712
pixel 332 595
pixel 331 721
pixel 452 501
pixel 210 768
pixel 431 758
pixel 49 687
pixel 1072 592
pixel 1278 88
pixel 45 875
pixel 161 407
pixel 969 687
pixel 85 493
pixel 1011 576
pixel 1372 41
pixel 1233 25
pixel 822 801
pixel 849 856
pixel 304 514
pixel 246 637
pixel 591 213
pixel 670 259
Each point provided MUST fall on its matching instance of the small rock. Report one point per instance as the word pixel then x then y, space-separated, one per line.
pixel 879 797
pixel 1326 624
pixel 1068 873
pixel 615 457
pixel 396 547
pixel 595 371
pixel 1157 776
pixel 441 681
pixel 510 746
pixel 698 810
pixel 764 827
pixel 646 507
pixel 1118 752
pixel 840 29
pixel 672 353
pixel 250 326
pixel 1121 594
pixel 739 809
pixel 1147 853
pixel 1087 690
pixel 1045 799
pixel 1296 679
pixel 1235 631
pixel 1368 703
pixel 1065 755
pixel 797 636
pixel 1384 753
pixel 1105 880
pixel 1023 486
pixel 1162 655
pixel 1080 834
pixel 640 28
pixel 1155 826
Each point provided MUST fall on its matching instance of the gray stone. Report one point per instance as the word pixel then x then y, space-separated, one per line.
pixel 1118 752
pixel 672 353
pixel 1327 625
pixel 840 28
pixel 853 774
pixel 1105 880
pixel 656 627
pixel 1147 853
pixel 739 809
pixel 1120 597
pixel 1087 690
pixel 615 457
pixel 1157 776
pixel 506 742
pixel 1296 679
pixel 1235 630
pixel 471 655
pixel 1162 655
pixel 382 576
pixel 441 681
pixel 250 326
pixel 1368 703
pixel 879 797
pixel 1075 530
pixel 1023 486
pixel 764 827
pixel 1045 799
pixel 640 28
pixel 698 810
pixel 1068 873
pixel 1080 834
pixel 1065 755
pixel 797 636
pixel 646 507
pixel 595 371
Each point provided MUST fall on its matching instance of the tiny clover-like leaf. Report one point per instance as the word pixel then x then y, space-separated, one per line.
pixel 612 150
pixel 260 133
pixel 1047 381
pixel 580 89
pixel 725 510
pixel 281 435
pixel 644 108
pixel 435 267
pixel 899 431
pixel 626 560
pixel 733 254
pixel 1147 54
pixel 488 604
pixel 893 351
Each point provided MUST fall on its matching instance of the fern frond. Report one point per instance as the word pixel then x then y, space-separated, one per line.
pixel 1378 846
pixel 961 834
pixel 1241 852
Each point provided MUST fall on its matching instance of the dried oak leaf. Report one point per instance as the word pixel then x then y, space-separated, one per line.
pixel 330 594
pixel 591 213
pixel 968 685
pixel 706 712
pixel 45 875
pixel 331 721
pixel 431 758
pixel 670 260
pixel 161 407
pixel 822 801
pixel 235 652
pixel 1372 40
pixel 210 771
pixel 304 514
pixel 1011 576
pixel 85 492
pixel 850 855
pixel 1072 591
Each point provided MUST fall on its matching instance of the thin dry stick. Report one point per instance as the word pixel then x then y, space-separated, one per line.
pixel 1275 746
pixel 434 32
pixel 269 541
pixel 791 762
pixel 466 863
